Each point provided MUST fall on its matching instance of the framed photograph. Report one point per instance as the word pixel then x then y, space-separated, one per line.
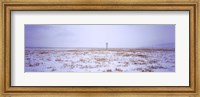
pixel 100 48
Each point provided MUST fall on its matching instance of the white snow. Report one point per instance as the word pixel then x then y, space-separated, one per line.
pixel 99 60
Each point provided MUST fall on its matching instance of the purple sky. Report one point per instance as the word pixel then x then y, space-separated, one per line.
pixel 118 36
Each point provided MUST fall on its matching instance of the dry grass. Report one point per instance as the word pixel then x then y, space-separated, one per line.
pixel 101 60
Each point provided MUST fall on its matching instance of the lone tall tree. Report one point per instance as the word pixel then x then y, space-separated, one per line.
pixel 106 45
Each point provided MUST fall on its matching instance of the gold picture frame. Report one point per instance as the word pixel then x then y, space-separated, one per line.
pixel 123 5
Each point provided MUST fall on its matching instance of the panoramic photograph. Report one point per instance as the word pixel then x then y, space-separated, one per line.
pixel 99 48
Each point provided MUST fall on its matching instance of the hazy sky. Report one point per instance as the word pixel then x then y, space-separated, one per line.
pixel 117 36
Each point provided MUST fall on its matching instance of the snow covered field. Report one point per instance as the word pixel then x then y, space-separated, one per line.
pixel 99 60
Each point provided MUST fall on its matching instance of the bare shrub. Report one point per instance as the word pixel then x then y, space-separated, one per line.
pixel 143 56
pixel 156 67
pixel 44 52
pixel 82 67
pixel 119 70
pixel 101 59
pixel 66 60
pixel 66 65
pixel 108 70
pixel 49 67
pixel 28 58
pixel 139 69
pixel 147 70
pixel 58 59
pixel 127 55
pixel 140 62
pixel 35 64
pixel 54 69
pixel 152 61
pixel 82 60
pixel 49 59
